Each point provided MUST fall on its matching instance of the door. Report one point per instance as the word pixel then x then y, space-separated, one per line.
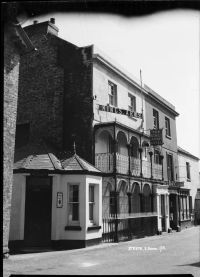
pixel 38 211
pixel 163 211
pixel 173 211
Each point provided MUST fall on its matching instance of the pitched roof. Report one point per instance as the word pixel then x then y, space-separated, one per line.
pixel 75 163
pixel 181 150
pixel 50 162
pixel 43 161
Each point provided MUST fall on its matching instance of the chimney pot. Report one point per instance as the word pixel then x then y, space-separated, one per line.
pixel 35 22
pixel 52 20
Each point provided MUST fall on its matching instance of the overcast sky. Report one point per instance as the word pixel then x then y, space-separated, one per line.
pixel 164 45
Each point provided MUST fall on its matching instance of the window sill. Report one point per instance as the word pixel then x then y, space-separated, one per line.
pixel 94 227
pixel 168 137
pixel 73 228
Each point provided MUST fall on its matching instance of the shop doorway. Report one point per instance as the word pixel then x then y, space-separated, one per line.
pixel 163 212
pixel 173 211
pixel 37 231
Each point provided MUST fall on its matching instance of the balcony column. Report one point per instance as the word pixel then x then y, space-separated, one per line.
pixel 129 194
pixel 141 202
pixel 161 158
pixel 152 202
pixel 114 156
pixel 129 158
pixel 140 151
pixel 151 154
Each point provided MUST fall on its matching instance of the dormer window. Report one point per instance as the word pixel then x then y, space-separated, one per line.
pixel 112 92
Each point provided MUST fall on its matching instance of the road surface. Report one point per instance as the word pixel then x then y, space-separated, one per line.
pixel 174 253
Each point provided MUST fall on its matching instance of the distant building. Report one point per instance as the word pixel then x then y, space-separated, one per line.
pixel 69 93
pixel 188 176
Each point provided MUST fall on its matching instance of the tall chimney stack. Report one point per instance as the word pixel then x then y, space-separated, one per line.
pixel 42 27
pixel 52 20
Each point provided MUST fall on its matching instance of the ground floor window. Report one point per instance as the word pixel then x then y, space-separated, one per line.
pixel 73 204
pixel 185 205
pixel 91 203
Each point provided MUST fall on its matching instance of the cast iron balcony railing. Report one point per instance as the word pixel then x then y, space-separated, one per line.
pixel 104 162
pixel 135 166
pixel 146 169
pixel 122 163
pixel 157 171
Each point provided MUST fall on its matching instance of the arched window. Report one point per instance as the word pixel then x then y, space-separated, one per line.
pixel 146 198
pixel 136 199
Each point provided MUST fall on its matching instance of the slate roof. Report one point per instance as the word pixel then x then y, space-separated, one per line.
pixel 43 161
pixel 78 164
pixel 181 150
pixel 50 162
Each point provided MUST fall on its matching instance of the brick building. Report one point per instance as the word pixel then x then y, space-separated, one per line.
pixel 16 43
pixel 69 93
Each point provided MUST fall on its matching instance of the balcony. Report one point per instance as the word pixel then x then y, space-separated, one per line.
pixel 104 162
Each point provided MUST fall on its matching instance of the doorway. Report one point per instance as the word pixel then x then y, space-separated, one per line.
pixel 163 212
pixel 38 207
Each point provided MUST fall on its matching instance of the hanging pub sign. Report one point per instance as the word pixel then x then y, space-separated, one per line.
pixel 59 200
pixel 156 137
pixel 119 111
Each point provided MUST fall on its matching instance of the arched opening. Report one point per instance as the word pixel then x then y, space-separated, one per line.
pixel 104 149
pixel 147 198
pixel 136 199
pixel 157 159
pixel 145 146
pixel 122 153
pixel 122 144
pixel 106 200
pixel 104 143
pixel 134 157
pixel 123 198
pixel 134 146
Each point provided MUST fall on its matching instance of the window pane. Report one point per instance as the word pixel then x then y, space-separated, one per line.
pixel 91 193
pixel 75 211
pixel 91 211
pixel 73 193
pixel 156 119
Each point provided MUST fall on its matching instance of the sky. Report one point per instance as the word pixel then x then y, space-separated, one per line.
pixel 165 46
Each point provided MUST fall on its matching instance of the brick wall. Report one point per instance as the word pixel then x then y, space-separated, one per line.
pixel 78 100
pixel 55 95
pixel 41 88
pixel 11 73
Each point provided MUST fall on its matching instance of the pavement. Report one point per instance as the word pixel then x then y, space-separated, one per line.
pixel 173 253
